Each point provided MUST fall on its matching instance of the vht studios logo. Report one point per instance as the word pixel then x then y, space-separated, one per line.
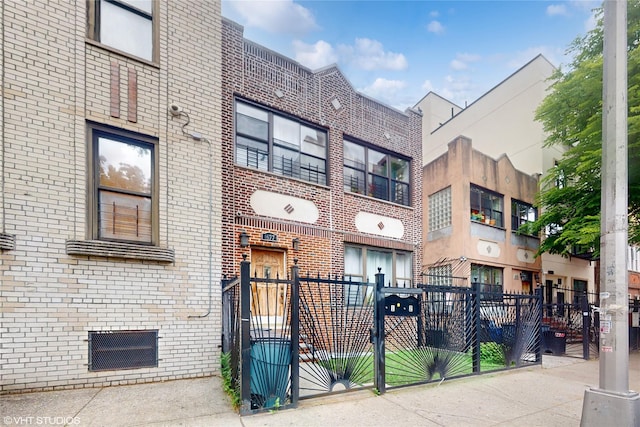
pixel 42 421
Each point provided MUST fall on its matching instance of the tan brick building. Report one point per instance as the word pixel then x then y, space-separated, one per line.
pixel 110 208
pixel 315 171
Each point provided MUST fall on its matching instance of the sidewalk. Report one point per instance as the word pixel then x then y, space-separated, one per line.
pixel 550 395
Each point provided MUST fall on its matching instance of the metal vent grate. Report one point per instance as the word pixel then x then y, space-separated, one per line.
pixel 123 350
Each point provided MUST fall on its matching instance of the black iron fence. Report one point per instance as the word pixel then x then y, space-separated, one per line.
pixel 570 322
pixel 299 337
pixel 634 324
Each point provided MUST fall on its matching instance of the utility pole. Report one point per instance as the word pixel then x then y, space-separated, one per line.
pixel 613 403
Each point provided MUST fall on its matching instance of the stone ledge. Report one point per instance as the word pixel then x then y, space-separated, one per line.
pixel 7 241
pixel 119 250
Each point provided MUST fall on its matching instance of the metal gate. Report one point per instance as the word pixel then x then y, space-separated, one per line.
pixel 435 333
pixel 570 324
pixel 336 351
pixel 292 338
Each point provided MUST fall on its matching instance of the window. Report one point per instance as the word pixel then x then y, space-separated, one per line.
pixel 440 209
pixel 126 25
pixel 376 174
pixel 521 213
pixel 486 206
pixel 490 281
pixel 271 142
pixel 441 275
pixel 361 264
pixel 123 184
pixel 579 290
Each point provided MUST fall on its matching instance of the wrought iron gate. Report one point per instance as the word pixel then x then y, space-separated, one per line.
pixel 336 352
pixel 435 333
pixel 570 323
pixel 291 338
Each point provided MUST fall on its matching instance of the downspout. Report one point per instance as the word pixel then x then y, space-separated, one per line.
pixel 195 137
pixel 176 111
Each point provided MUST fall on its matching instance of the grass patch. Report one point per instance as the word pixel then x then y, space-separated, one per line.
pixel 228 383
pixel 404 367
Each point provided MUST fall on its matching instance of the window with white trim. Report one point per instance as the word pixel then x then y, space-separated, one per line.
pixel 126 25
pixel 361 264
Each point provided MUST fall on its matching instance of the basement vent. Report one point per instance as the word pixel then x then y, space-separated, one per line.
pixel 123 350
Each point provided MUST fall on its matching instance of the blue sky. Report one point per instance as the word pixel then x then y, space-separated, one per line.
pixel 398 51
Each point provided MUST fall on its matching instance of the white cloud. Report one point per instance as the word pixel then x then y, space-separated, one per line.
pixel 434 14
pixel 555 55
pixel 384 90
pixel 369 54
pixel 590 23
pixel 462 60
pixel 557 9
pixel 282 16
pixel 468 57
pixel 459 89
pixel 314 56
pixel 458 65
pixel 427 86
pixel 435 27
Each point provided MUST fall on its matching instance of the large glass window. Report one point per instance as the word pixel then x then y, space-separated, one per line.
pixel 440 209
pixel 489 279
pixel 271 142
pixel 361 264
pixel 123 184
pixel 486 206
pixel 126 25
pixel 522 213
pixel 376 174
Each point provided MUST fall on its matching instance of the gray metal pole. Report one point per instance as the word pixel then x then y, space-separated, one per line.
pixel 613 403
pixel 614 342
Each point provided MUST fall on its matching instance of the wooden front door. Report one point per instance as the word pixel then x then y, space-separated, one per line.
pixel 268 297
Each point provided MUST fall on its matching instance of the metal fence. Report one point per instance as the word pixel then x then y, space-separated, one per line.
pixel 300 337
pixel 570 322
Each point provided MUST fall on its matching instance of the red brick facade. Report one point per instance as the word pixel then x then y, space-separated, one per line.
pixel 256 74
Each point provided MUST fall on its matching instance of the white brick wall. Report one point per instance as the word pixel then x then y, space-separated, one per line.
pixel 55 81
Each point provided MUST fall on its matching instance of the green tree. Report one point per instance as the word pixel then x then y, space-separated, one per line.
pixel 571 116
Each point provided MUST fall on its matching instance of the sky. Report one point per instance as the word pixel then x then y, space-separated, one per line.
pixel 398 51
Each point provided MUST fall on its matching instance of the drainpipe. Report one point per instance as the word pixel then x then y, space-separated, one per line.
pixel 176 111
pixel 195 136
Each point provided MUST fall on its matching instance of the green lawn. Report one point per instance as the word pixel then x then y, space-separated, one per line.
pixel 417 365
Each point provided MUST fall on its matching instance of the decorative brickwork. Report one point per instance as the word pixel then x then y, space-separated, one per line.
pixel 324 98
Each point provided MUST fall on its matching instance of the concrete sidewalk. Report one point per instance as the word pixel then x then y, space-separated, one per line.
pixel 548 395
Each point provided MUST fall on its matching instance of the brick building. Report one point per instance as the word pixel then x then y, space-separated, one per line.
pixel 315 171
pixel 110 208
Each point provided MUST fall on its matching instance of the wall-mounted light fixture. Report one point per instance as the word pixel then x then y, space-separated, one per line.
pixel 296 244
pixel 244 239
